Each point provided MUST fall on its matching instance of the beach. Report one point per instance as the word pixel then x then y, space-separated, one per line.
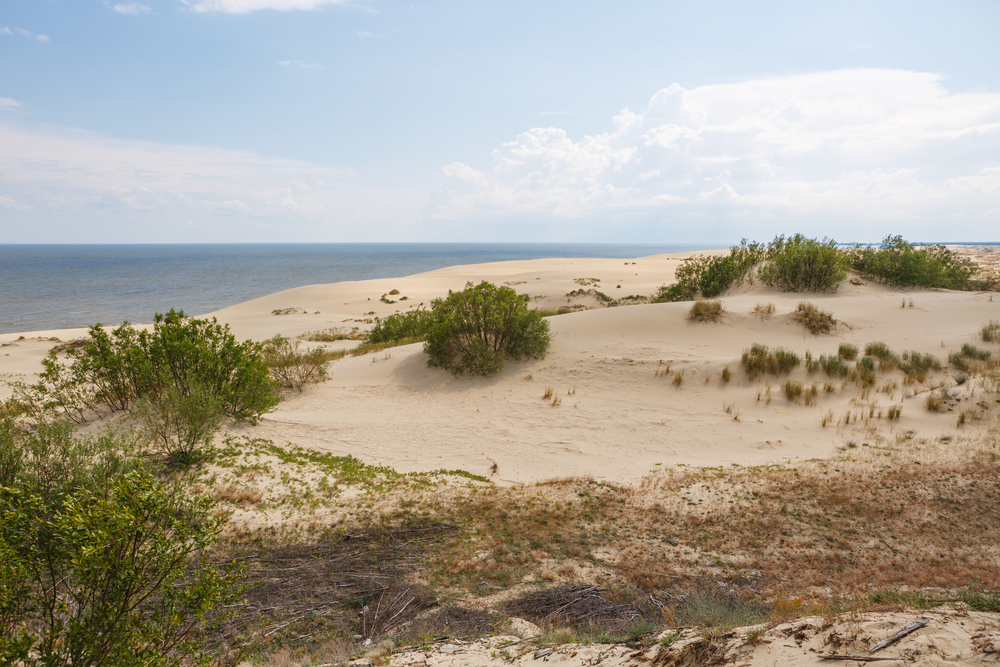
pixel 638 402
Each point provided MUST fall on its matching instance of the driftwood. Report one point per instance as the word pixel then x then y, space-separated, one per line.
pixel 855 658
pixel 907 629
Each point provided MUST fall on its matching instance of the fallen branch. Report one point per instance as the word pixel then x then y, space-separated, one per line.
pixel 855 658
pixel 907 629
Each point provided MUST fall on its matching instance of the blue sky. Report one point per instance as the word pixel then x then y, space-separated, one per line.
pixel 312 120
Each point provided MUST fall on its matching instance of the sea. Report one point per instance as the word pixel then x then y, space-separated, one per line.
pixel 44 287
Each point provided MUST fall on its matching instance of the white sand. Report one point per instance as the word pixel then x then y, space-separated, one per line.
pixel 617 420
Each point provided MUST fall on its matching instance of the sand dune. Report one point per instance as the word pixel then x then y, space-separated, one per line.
pixel 617 418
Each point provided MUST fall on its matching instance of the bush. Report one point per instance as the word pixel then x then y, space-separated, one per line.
pixel 898 262
pixel 290 366
pixel 760 359
pixel 799 264
pixel 181 421
pixel 476 329
pixel 100 563
pixel 812 318
pixel 414 325
pixel 710 276
pixel 704 310
pixel 121 367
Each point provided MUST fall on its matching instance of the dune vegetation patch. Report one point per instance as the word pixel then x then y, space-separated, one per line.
pixel 812 318
pixel 706 310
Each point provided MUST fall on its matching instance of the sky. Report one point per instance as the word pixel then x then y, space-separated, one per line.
pixel 204 121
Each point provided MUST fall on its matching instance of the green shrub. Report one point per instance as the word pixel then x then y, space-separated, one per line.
pixel 476 329
pixel 760 359
pixel 290 366
pixel 128 364
pixel 812 318
pixel 412 325
pixel 710 276
pixel 848 351
pixel 101 564
pixel 898 262
pixel 799 264
pixel 181 420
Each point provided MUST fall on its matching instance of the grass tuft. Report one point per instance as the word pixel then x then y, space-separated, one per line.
pixel 760 360
pixel 704 310
pixel 812 318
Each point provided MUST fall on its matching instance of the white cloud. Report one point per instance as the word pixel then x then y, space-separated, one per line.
pixel 247 6
pixel 6 201
pixel 5 31
pixel 555 113
pixel 299 63
pixel 76 176
pixel 26 33
pixel 362 34
pixel 8 103
pixel 132 8
pixel 855 144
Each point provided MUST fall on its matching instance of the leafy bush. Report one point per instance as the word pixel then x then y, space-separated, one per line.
pixel 121 367
pixel 812 318
pixel 476 329
pixel 181 420
pixel 413 325
pixel 710 276
pixel 760 359
pixel 799 264
pixel 898 262
pixel 704 310
pixel 290 366
pixel 100 564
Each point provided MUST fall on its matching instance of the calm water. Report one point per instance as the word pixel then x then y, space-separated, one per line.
pixel 62 286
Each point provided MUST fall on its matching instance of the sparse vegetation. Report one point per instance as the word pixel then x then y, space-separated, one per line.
pixel 990 333
pixel 812 318
pixel 704 310
pixel 291 366
pixel 848 351
pixel 763 310
pixel 760 360
pixel 792 389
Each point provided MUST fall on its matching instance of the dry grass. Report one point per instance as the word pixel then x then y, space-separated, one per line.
pixel 763 310
pixel 812 318
pixel 705 310
pixel 990 333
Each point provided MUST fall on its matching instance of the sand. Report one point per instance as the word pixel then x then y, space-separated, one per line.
pixel 620 415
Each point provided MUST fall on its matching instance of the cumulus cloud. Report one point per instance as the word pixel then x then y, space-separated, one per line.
pixel 855 144
pixel 247 6
pixel 75 176
pixel 131 8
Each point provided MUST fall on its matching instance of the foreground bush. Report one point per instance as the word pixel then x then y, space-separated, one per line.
pixel 120 368
pixel 898 262
pixel 100 563
pixel 476 330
